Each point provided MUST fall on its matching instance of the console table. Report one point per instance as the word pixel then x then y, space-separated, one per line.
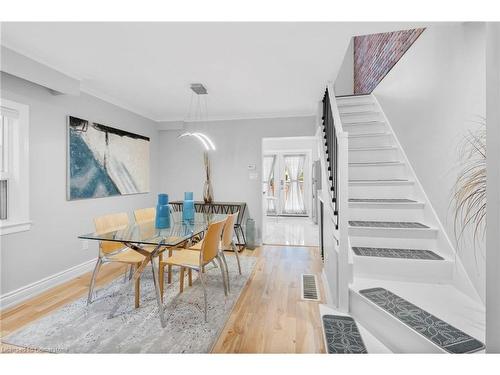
pixel 221 208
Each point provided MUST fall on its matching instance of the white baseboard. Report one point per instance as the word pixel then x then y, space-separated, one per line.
pixel 28 291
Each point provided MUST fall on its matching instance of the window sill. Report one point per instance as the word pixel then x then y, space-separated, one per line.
pixel 14 227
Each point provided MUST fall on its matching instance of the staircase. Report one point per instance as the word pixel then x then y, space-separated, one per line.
pixel 407 288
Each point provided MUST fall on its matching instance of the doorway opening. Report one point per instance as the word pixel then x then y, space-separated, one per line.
pixel 289 206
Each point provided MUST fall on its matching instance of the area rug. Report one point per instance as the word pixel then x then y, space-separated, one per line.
pixel 78 328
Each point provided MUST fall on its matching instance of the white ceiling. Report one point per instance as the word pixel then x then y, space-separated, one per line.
pixel 249 69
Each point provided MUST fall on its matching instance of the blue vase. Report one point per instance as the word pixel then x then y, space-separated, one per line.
pixel 162 212
pixel 188 207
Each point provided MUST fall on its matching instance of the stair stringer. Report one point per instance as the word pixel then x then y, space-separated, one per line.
pixel 460 278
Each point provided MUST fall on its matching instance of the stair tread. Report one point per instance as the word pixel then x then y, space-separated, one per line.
pixel 359 135
pixel 386 252
pixel 358 123
pixel 355 104
pixel 372 344
pixel 350 96
pixel 342 335
pixel 363 163
pixel 388 224
pixel 382 200
pixel 443 300
pixel 382 182
pixel 353 113
pixel 375 148
pixel 438 331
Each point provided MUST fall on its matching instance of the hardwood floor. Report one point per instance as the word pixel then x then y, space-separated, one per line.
pixel 269 317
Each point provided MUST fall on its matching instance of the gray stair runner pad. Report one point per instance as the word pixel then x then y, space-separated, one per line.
pixel 382 200
pixel 342 335
pixel 395 253
pixel 386 224
pixel 444 335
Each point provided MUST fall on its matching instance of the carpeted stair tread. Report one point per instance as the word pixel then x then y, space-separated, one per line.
pixel 442 334
pixel 388 224
pixel 342 335
pixel 396 253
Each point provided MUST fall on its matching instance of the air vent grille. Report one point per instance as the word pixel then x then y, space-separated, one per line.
pixel 309 288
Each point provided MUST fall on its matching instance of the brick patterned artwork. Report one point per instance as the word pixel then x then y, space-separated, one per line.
pixel 376 54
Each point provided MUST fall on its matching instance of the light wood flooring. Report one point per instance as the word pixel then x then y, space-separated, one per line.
pixel 269 317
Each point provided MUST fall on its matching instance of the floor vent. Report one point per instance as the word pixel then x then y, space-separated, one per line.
pixel 309 288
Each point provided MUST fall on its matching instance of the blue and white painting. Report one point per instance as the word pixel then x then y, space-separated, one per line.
pixel 105 161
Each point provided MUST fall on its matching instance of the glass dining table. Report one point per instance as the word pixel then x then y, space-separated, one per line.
pixel 139 236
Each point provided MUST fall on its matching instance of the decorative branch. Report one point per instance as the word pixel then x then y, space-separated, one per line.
pixel 470 187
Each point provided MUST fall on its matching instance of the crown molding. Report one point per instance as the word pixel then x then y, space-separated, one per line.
pixel 256 116
pixel 114 101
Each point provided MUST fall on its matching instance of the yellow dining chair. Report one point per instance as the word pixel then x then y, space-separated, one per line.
pixel 110 251
pixel 197 260
pixel 227 243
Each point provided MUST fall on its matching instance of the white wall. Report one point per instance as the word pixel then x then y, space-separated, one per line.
pixel 239 143
pixel 344 83
pixel 433 96
pixel 493 214
pixel 51 246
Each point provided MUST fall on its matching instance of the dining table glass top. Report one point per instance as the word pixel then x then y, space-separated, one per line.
pixel 147 234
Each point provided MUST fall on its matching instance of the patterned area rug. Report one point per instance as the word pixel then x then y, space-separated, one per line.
pixel 342 335
pixel 451 339
pixel 78 328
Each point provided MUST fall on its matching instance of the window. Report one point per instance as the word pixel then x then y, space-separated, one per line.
pixel 14 168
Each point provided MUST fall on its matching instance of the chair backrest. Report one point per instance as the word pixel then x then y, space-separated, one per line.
pixel 211 241
pixel 144 215
pixel 109 223
pixel 227 234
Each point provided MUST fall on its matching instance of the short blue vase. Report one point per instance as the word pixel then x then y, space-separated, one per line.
pixel 162 212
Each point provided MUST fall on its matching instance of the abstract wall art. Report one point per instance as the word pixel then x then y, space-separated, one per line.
pixel 105 161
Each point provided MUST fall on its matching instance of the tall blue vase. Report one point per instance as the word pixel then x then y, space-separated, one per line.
pixel 188 207
pixel 162 212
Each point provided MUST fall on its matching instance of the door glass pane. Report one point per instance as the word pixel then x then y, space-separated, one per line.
pixel 269 187
pixel 293 188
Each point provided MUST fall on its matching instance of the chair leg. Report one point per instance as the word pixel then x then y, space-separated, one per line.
pixel 92 280
pixel 190 276
pixel 161 279
pixel 137 292
pixel 169 269
pixel 181 286
pixel 227 270
pixel 223 274
pixel 236 252
pixel 202 279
